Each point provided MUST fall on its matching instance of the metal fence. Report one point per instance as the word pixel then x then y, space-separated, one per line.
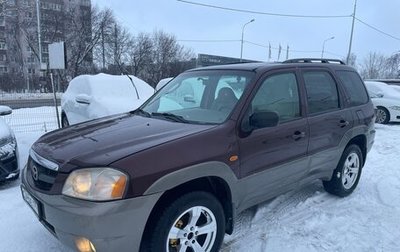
pixel 32 112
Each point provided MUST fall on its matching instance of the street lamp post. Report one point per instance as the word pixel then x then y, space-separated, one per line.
pixel 323 46
pixel 241 47
pixel 39 32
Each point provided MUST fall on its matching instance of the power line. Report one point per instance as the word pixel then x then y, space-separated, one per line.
pixel 262 13
pixel 291 50
pixel 253 43
pixel 378 30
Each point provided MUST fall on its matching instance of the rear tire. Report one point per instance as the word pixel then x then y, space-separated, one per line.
pixel 193 222
pixel 347 173
pixel 382 115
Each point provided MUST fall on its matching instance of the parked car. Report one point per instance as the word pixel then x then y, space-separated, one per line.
pixel 386 98
pixel 93 96
pixel 391 82
pixel 167 178
pixel 162 83
pixel 8 149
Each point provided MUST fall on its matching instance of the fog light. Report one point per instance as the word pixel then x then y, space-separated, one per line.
pixel 84 245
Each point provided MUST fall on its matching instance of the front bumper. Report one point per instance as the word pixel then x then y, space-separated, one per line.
pixel 394 115
pixel 110 226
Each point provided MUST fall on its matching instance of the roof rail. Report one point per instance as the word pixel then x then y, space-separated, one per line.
pixel 315 60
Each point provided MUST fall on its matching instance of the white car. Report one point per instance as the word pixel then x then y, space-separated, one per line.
pixel 163 82
pixel 93 96
pixel 386 99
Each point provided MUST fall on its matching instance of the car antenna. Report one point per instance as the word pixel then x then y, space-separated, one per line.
pixel 130 78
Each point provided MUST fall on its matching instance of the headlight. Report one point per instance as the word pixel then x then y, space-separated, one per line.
pixel 10 139
pixel 395 107
pixel 7 147
pixel 97 184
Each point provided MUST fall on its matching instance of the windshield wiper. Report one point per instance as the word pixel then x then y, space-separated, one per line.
pixel 170 116
pixel 141 112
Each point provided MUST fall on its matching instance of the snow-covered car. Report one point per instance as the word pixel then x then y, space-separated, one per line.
pixel 93 96
pixel 8 149
pixel 163 82
pixel 386 99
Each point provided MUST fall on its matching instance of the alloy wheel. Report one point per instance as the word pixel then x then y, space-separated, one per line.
pixel 194 230
pixel 350 170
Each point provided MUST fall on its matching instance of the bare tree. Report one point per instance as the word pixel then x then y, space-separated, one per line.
pixel 374 66
pixel 83 36
pixel 141 54
pixel 118 49
pixel 166 53
pixel 393 66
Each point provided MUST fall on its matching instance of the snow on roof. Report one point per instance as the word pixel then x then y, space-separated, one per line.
pixel 111 85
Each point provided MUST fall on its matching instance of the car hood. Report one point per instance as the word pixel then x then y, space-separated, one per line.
pixel 104 141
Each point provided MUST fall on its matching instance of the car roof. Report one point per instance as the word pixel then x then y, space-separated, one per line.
pixel 264 66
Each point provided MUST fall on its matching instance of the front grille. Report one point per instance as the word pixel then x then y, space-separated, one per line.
pixel 43 177
pixel 8 166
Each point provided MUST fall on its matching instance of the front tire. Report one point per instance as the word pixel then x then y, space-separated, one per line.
pixel 193 222
pixel 64 121
pixel 347 173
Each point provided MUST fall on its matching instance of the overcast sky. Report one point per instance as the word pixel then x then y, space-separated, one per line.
pixel 191 22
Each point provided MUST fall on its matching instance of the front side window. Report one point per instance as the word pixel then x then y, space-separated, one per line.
pixel 278 94
pixel 322 93
pixel 204 97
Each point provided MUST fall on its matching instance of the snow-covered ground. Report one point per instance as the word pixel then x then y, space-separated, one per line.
pixel 306 220
pixel 21 96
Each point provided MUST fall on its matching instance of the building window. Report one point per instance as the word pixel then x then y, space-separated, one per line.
pixel 30 59
pixel 3 70
pixel 3 46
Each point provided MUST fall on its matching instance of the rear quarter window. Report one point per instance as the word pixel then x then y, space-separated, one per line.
pixel 354 87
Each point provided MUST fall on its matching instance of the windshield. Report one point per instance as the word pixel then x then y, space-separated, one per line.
pixel 204 97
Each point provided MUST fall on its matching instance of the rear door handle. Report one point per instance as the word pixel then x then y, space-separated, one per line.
pixel 343 123
pixel 298 135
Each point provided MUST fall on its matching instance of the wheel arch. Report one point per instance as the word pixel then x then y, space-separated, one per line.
pixel 361 142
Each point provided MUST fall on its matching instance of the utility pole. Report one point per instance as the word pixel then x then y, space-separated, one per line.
pixel 39 32
pixel 352 31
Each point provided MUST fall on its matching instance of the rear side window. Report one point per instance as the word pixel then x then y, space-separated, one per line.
pixel 322 93
pixel 354 87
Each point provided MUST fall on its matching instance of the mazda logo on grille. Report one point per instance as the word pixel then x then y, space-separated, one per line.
pixel 35 172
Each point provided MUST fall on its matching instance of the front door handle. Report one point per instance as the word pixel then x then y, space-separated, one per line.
pixel 343 123
pixel 298 135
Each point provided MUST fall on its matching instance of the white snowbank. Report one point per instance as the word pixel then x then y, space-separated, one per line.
pixel 306 220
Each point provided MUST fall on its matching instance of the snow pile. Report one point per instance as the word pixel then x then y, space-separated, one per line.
pixel 306 220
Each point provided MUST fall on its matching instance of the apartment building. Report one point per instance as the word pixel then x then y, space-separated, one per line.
pixel 20 55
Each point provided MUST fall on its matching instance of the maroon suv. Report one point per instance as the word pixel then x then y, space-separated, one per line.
pixel 172 175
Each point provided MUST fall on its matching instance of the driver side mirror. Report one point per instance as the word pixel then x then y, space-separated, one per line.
pixel 5 110
pixel 264 119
